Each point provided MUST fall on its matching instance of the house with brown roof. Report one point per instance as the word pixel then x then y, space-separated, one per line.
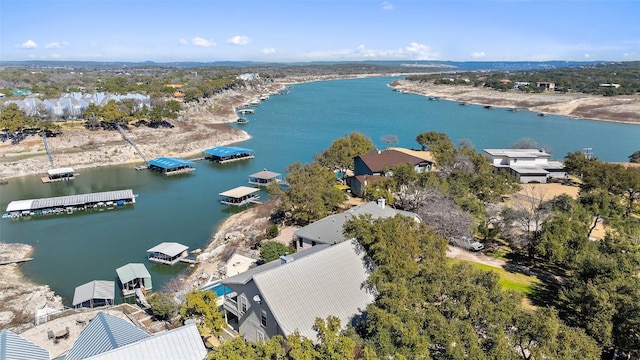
pixel 381 162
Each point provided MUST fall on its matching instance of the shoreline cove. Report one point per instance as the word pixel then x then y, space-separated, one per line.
pixel 194 131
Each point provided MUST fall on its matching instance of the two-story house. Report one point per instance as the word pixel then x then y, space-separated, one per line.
pixel 380 163
pixel 288 294
pixel 527 165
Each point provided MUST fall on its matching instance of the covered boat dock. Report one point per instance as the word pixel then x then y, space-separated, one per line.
pixel 59 174
pixel 240 196
pixel 168 253
pixel 264 177
pixel 134 276
pixel 171 165
pixel 70 203
pixel 225 154
pixel 94 293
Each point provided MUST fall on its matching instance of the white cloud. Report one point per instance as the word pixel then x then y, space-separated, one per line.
pixel 56 45
pixel 268 51
pixel 183 41
pixel 587 56
pixel 198 41
pixel 478 54
pixel 29 44
pixel 414 51
pixel 239 40
pixel 386 5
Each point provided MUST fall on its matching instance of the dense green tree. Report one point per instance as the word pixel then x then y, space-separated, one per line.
pixel 311 195
pixel 111 113
pixel 12 118
pixel 163 305
pixel 272 250
pixel 201 306
pixel 438 144
pixel 339 156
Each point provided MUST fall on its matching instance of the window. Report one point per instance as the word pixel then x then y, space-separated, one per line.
pixel 243 304
pixel 260 335
pixel 263 318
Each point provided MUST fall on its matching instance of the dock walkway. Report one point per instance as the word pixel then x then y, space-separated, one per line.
pixel 7 262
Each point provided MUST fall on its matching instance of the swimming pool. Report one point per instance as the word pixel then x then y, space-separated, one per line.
pixel 220 289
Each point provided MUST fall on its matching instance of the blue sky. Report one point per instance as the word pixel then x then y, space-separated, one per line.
pixel 319 30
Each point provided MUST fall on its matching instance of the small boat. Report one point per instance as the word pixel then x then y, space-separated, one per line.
pixel 242 121
pixel 462 103
pixel 246 111
pixel 542 114
pixel 488 107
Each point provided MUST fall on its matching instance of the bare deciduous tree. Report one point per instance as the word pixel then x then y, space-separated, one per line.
pixel 439 212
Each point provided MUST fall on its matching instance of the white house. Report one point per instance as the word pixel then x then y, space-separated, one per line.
pixel 527 165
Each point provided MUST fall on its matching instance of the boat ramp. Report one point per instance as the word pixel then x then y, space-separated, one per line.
pixel 69 204
pixel 225 154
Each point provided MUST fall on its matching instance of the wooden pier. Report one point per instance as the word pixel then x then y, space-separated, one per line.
pixel 7 262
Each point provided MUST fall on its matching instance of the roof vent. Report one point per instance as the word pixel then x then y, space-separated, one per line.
pixel 381 203
pixel 285 259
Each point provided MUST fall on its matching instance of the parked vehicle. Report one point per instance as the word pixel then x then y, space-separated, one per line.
pixel 467 242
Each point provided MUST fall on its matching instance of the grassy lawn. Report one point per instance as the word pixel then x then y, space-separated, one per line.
pixel 508 280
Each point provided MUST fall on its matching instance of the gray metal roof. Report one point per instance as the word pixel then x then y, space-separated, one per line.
pixel 15 347
pixel 104 333
pixel 183 343
pixel 70 200
pixel 265 175
pixel 329 229
pixel 168 248
pixel 132 271
pixel 330 282
pixel 244 277
pixel 97 289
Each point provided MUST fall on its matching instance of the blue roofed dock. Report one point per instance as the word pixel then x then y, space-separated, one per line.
pixel 171 165
pixel 225 154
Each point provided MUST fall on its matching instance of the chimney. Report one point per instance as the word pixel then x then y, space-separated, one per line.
pixel 381 203
pixel 285 259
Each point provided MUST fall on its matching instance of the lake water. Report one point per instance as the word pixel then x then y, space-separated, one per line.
pixel 74 249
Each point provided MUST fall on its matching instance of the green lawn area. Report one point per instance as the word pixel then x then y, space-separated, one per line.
pixel 508 280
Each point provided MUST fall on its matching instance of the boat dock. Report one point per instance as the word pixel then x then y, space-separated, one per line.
pixel 242 195
pixel 169 253
pixel 69 204
pixel 264 178
pixel 60 174
pixel 171 165
pixel 225 154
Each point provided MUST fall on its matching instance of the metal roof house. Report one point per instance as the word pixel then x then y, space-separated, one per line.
pixel 264 177
pixel 288 294
pixel 239 196
pixel 94 293
pixel 111 338
pixel 527 165
pixel 134 276
pixel 171 165
pixel 225 154
pixel 15 347
pixel 168 253
pixel 329 229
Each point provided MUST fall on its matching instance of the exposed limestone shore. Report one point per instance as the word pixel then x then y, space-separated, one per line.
pixel 624 109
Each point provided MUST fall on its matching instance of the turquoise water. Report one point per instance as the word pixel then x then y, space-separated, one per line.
pixel 73 249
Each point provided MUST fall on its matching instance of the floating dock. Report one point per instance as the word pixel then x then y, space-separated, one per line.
pixel 171 165
pixel 59 174
pixel 168 253
pixel 134 276
pixel 225 154
pixel 239 196
pixel 264 178
pixel 69 204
